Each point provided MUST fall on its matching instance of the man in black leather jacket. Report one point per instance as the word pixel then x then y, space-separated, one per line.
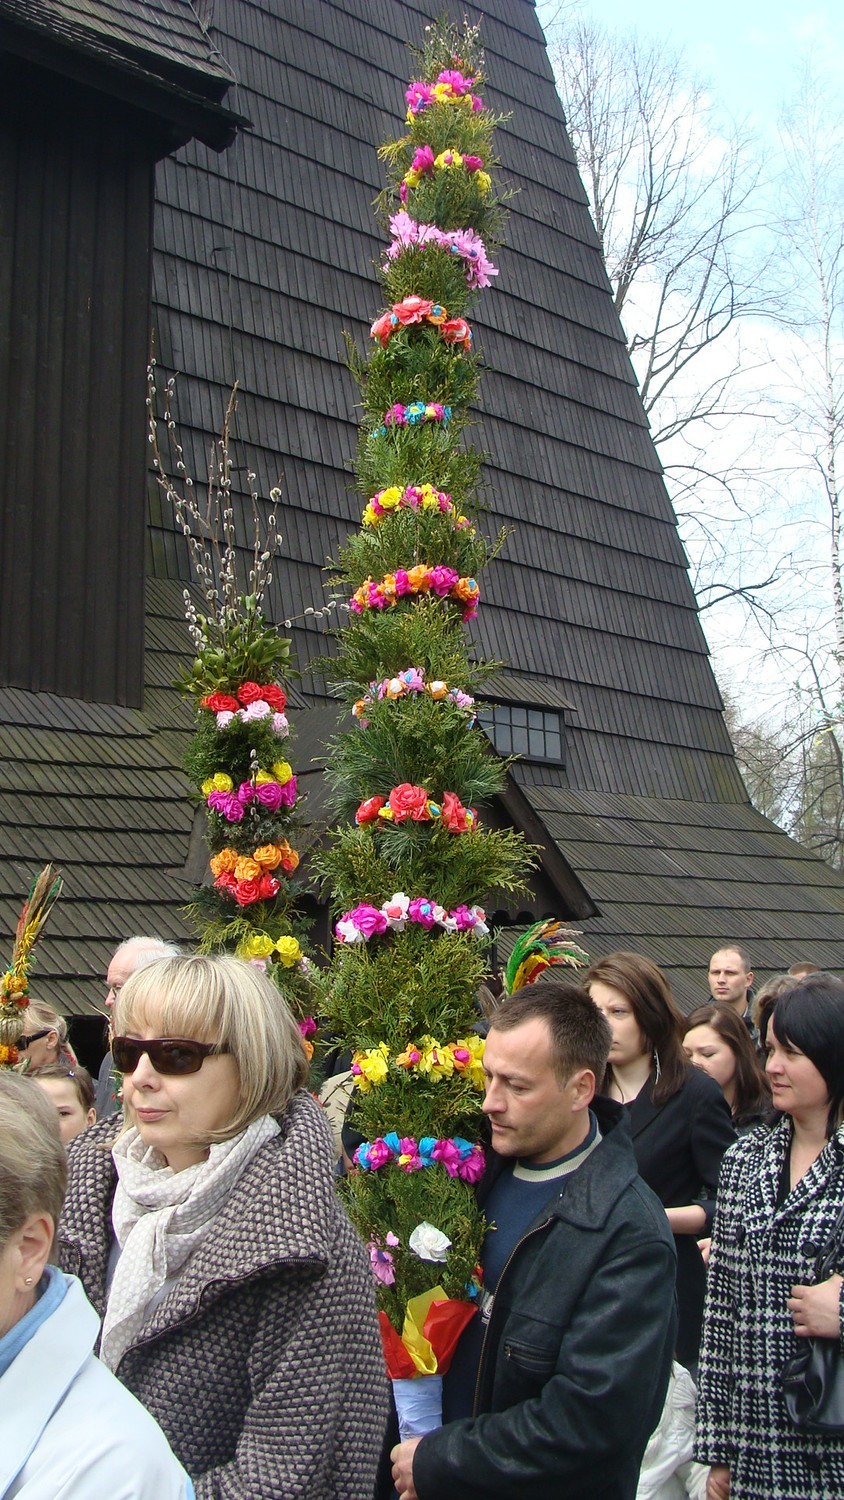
pixel 573 1364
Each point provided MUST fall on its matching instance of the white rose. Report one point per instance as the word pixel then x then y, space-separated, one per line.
pixel 347 932
pixel 429 1243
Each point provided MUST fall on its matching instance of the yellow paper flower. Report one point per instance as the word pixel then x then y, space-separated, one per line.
pixel 288 951
pixel 246 868
pixel 430 498
pixel 373 1064
pixel 263 778
pixel 436 1060
pixel 370 516
pixel 449 159
pixel 256 945
pixel 484 182
pixel 442 92
pixel 282 771
pixel 219 782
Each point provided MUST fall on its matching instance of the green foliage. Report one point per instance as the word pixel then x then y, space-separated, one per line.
pixel 233 651
pixel 418 368
pixel 419 742
pixel 231 749
pixel 397 1201
pixel 401 987
pixel 431 272
pixel 371 863
pixel 422 632
pixel 401 454
pixel 406 538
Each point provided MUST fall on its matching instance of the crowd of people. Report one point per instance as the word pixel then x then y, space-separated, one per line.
pixel 665 1201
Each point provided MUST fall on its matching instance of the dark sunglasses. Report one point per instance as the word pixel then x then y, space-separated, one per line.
pixel 34 1036
pixel 170 1056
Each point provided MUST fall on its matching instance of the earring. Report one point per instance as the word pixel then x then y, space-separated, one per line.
pixel 27 1281
pixel 657 1066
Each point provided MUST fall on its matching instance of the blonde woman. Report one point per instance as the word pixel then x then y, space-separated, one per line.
pixel 44 1037
pixel 236 1296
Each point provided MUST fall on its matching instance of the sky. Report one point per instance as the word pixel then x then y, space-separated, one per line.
pixel 749 55
pixel 745 49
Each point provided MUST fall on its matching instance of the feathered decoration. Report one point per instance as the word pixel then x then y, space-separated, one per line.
pixel 545 945
pixel 14 994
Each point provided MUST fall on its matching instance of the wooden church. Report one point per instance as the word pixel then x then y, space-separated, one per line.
pixel 199 180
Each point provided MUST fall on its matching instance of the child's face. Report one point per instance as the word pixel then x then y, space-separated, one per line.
pixel 73 1117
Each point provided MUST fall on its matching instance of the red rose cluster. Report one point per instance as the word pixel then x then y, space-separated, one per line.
pixel 248 692
pixel 408 803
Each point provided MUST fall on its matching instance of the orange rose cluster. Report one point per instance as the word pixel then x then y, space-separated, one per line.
pixel 408 803
pixel 248 878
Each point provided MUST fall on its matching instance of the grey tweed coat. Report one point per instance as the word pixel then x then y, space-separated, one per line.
pixel 759 1251
pixel 263 1363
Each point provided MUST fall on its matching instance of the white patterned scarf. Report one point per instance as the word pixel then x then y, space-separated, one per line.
pixel 160 1217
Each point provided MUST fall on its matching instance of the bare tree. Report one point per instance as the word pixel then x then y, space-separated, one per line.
pixel 674 196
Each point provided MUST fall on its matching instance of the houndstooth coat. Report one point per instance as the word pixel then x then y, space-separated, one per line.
pixel 759 1251
pixel 263 1363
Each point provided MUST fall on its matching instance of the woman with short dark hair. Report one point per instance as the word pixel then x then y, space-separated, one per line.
pixel 679 1118
pixel 780 1201
pixel 236 1296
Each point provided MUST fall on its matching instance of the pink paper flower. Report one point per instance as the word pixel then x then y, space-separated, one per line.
pixel 422 911
pixel 472 1169
pixel 281 727
pixel 448 1155
pixel 381 1260
pixel 257 710
pixel 443 580
pixel 473 163
pixel 423 160
pixel 379 1154
pixel 368 920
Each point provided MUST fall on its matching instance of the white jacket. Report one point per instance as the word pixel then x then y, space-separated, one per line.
pixel 69 1430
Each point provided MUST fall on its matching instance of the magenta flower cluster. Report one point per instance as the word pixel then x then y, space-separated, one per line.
pixel 459 1157
pixel 269 795
pixel 421 96
pixel 466 243
pixel 366 921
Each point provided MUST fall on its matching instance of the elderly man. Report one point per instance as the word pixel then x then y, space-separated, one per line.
pixel 134 954
pixel 560 1378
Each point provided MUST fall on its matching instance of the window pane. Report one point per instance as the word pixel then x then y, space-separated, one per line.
pixel 553 745
pixel 535 718
pixel 537 743
pixel 520 741
pixel 518 715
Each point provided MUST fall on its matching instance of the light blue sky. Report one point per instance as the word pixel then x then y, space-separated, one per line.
pixel 747 50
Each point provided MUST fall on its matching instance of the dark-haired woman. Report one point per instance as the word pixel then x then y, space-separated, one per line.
pixel 780 1196
pixel 718 1042
pixel 679 1118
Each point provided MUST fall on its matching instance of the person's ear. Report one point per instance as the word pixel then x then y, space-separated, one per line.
pixel 583 1087
pixel 749 978
pixel 52 1039
pixel 33 1242
pixel 91 1116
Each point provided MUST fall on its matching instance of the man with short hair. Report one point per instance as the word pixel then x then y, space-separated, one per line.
pixel 730 981
pixel 134 954
pixel 569 1356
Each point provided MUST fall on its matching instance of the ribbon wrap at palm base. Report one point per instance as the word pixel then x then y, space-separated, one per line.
pixel 409 869
pixel 14 984
pixel 237 759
